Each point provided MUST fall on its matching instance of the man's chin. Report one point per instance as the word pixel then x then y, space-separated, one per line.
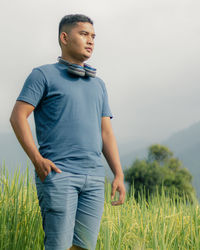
pixel 86 57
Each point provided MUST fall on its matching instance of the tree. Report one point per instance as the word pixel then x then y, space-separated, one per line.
pixel 159 153
pixel 160 168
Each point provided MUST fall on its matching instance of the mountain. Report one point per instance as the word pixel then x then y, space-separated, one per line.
pixel 12 154
pixel 185 144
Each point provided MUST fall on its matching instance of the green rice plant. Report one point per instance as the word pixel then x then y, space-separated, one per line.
pixel 20 220
pixel 163 222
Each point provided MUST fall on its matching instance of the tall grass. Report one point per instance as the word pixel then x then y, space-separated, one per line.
pixel 160 223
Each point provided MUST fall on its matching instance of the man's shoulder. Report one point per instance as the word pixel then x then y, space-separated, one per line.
pixel 46 70
pixel 100 81
pixel 46 67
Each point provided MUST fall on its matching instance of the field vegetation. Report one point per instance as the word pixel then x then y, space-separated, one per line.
pixel 163 222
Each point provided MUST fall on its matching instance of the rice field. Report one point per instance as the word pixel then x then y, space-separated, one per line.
pixel 160 223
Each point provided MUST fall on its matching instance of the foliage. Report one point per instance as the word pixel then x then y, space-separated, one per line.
pixel 160 168
pixel 161 223
pixel 159 153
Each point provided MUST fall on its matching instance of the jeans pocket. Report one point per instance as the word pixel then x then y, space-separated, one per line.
pixel 46 178
pixel 99 179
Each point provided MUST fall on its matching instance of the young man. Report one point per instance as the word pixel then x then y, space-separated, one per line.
pixel 72 118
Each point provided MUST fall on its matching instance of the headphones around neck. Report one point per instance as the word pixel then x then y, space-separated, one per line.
pixel 78 69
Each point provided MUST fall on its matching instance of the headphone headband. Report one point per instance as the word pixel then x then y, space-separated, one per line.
pixel 78 69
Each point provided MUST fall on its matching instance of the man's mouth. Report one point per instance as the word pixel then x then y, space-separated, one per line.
pixel 89 49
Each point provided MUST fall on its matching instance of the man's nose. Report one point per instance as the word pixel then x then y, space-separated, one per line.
pixel 90 41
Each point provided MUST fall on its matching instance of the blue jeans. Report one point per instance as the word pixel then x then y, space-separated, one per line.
pixel 71 208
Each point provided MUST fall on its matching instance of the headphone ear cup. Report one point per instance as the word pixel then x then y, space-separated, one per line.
pixel 76 71
pixel 89 71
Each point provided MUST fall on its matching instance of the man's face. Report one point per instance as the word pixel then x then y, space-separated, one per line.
pixel 80 41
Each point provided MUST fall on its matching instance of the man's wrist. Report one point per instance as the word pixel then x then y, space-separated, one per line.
pixel 119 175
pixel 36 159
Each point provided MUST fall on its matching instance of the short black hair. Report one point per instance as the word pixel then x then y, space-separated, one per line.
pixel 69 21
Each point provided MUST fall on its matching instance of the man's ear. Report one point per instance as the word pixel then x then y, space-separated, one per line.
pixel 64 37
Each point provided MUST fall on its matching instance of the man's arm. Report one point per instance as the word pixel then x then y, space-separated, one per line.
pixel 20 125
pixel 110 151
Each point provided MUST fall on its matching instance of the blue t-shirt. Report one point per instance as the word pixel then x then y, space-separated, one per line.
pixel 67 114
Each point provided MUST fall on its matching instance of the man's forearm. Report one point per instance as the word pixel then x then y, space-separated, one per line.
pixel 111 154
pixel 23 133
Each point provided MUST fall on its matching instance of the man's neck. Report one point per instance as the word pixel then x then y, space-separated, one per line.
pixel 72 60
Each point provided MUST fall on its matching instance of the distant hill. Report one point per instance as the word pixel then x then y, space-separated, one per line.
pixel 185 145
pixel 12 153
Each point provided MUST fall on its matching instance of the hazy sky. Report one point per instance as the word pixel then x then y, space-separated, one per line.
pixel 146 51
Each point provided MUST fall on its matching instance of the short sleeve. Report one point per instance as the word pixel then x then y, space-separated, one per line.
pixel 106 111
pixel 34 88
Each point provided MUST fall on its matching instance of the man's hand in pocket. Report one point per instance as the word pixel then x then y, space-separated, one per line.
pixel 43 167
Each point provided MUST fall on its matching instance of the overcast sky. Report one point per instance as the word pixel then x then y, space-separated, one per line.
pixel 146 51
